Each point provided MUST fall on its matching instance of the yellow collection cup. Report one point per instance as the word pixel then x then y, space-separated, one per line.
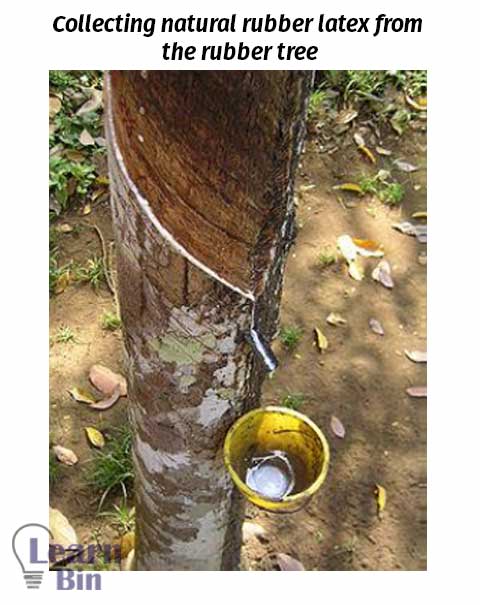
pixel 277 428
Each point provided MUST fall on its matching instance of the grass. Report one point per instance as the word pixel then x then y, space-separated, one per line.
pixel 65 335
pixel 326 257
pixel 389 192
pixel 294 401
pixel 315 103
pixel 53 469
pixel 290 336
pixel 111 321
pixel 92 272
pixel 122 518
pixel 111 469
pixel 355 85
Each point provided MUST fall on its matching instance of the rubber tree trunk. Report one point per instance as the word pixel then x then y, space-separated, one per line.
pixel 202 166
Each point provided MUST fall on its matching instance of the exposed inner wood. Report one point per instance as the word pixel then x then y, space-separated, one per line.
pixel 216 184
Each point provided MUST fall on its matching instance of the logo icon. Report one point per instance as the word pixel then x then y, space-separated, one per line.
pixel 25 548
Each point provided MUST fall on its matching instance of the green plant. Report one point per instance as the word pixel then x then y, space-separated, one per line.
pixel 61 79
pixel 93 272
pixel 68 178
pixel 392 193
pixel 369 85
pixel 112 467
pixel 290 336
pixel 387 191
pixel 317 98
pixel 72 164
pixel 326 257
pixel 293 400
pixel 122 518
pixel 111 321
pixel 64 335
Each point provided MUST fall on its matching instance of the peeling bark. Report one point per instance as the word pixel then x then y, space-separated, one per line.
pixel 202 167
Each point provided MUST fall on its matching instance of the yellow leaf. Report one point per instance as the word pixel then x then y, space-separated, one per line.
pixel 368 247
pixel 102 180
pixel 366 151
pixel 127 543
pixel 335 319
pixel 381 497
pixel 366 243
pixel 419 215
pixel 320 340
pixel 349 187
pixel 81 395
pixel 95 437
pixel 62 282
pixel 355 270
pixel 86 209
pixel 420 104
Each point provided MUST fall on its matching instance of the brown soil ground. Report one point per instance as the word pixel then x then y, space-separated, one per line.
pixel 361 378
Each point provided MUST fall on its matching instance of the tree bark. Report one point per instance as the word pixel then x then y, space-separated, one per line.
pixel 202 167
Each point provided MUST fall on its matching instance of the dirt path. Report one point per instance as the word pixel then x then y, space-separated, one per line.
pixel 361 378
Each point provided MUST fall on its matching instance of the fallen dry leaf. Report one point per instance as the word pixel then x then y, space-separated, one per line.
pixel 376 326
pixel 421 214
pixel 347 248
pixel 288 563
pixel 380 497
pixel 417 391
pixel 95 437
pixel 252 530
pixel 93 103
pixel 105 380
pixel 108 402
pixel 75 155
pixel 355 270
pixel 383 274
pixel 349 187
pixel 346 116
pixel 366 151
pixel 86 209
pixel 55 105
pixel 359 140
pixel 63 532
pixel 82 395
pixel 405 166
pixel 421 105
pixel 86 138
pixel 368 247
pixel 383 151
pixel 417 356
pixel 63 454
pixel 127 543
pixel 320 340
pixel 127 564
pixel 335 319
pixel 62 282
pixel 337 427
pixel 64 228
pixel 405 227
